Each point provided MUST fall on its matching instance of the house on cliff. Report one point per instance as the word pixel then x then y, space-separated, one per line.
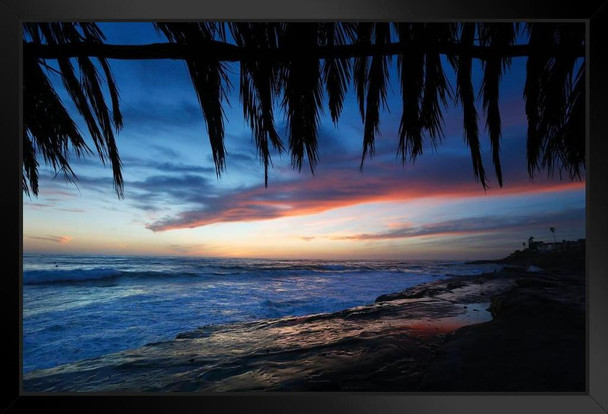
pixel 564 245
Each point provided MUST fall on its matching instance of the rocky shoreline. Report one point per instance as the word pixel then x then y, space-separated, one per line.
pixel 512 330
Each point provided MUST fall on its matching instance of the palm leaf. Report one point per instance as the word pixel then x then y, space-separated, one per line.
pixel 95 35
pixel 554 90
pixel 562 107
pixel 114 95
pixel 540 37
pixel 336 71
pixel 302 92
pixel 30 166
pixel 86 93
pixel 436 88
pixel 466 96
pixel 361 35
pixel 259 80
pixel 411 67
pixel 497 35
pixel 574 147
pixel 376 90
pixel 90 81
pixel 47 127
pixel 208 77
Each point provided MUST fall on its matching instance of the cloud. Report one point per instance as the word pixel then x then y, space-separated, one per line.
pixel 36 206
pixel 307 238
pixel 99 184
pixel 164 151
pixel 194 197
pixel 338 182
pixel 167 167
pixel 72 210
pixel 315 195
pixel 131 163
pixel 55 239
pixel 182 189
pixel 472 225
pixel 47 192
pixel 200 200
pixel 162 115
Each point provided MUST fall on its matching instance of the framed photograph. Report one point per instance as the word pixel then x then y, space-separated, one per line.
pixel 305 207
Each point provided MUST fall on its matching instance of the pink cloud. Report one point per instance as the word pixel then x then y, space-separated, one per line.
pixel 314 196
pixel 56 239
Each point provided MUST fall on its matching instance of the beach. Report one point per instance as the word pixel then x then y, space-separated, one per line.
pixel 521 328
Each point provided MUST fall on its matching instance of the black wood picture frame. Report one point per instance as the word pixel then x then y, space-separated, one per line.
pixel 594 13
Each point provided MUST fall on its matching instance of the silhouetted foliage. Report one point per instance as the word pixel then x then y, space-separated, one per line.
pixel 47 126
pixel 301 65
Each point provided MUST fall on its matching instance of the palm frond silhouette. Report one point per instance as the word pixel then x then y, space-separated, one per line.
pixel 302 65
pixel 48 128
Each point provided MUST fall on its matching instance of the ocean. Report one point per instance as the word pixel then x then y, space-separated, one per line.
pixel 79 307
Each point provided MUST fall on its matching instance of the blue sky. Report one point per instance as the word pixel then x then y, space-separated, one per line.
pixel 175 205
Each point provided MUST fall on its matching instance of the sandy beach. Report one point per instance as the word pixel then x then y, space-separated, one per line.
pixel 519 329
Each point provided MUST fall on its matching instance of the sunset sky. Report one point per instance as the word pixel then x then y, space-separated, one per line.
pixel 175 205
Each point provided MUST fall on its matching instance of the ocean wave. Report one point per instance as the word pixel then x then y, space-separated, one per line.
pixel 35 277
pixel 39 277
pixel 239 271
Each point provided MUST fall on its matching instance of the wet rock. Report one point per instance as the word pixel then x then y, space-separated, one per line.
pixel 430 337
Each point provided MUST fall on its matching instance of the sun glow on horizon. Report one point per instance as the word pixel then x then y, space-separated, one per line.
pixel 415 229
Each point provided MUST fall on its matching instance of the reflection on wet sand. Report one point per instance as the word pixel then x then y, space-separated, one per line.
pixel 385 345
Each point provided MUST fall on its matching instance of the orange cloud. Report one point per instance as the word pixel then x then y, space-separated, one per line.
pixel 316 196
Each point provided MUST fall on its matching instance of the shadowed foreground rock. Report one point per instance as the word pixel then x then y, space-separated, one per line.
pixel 439 336
pixel 535 343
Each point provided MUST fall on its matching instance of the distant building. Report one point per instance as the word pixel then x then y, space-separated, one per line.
pixel 542 247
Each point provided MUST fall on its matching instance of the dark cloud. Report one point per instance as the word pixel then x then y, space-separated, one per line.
pixel 479 224
pixel 187 188
pixel 310 195
pixel 337 182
